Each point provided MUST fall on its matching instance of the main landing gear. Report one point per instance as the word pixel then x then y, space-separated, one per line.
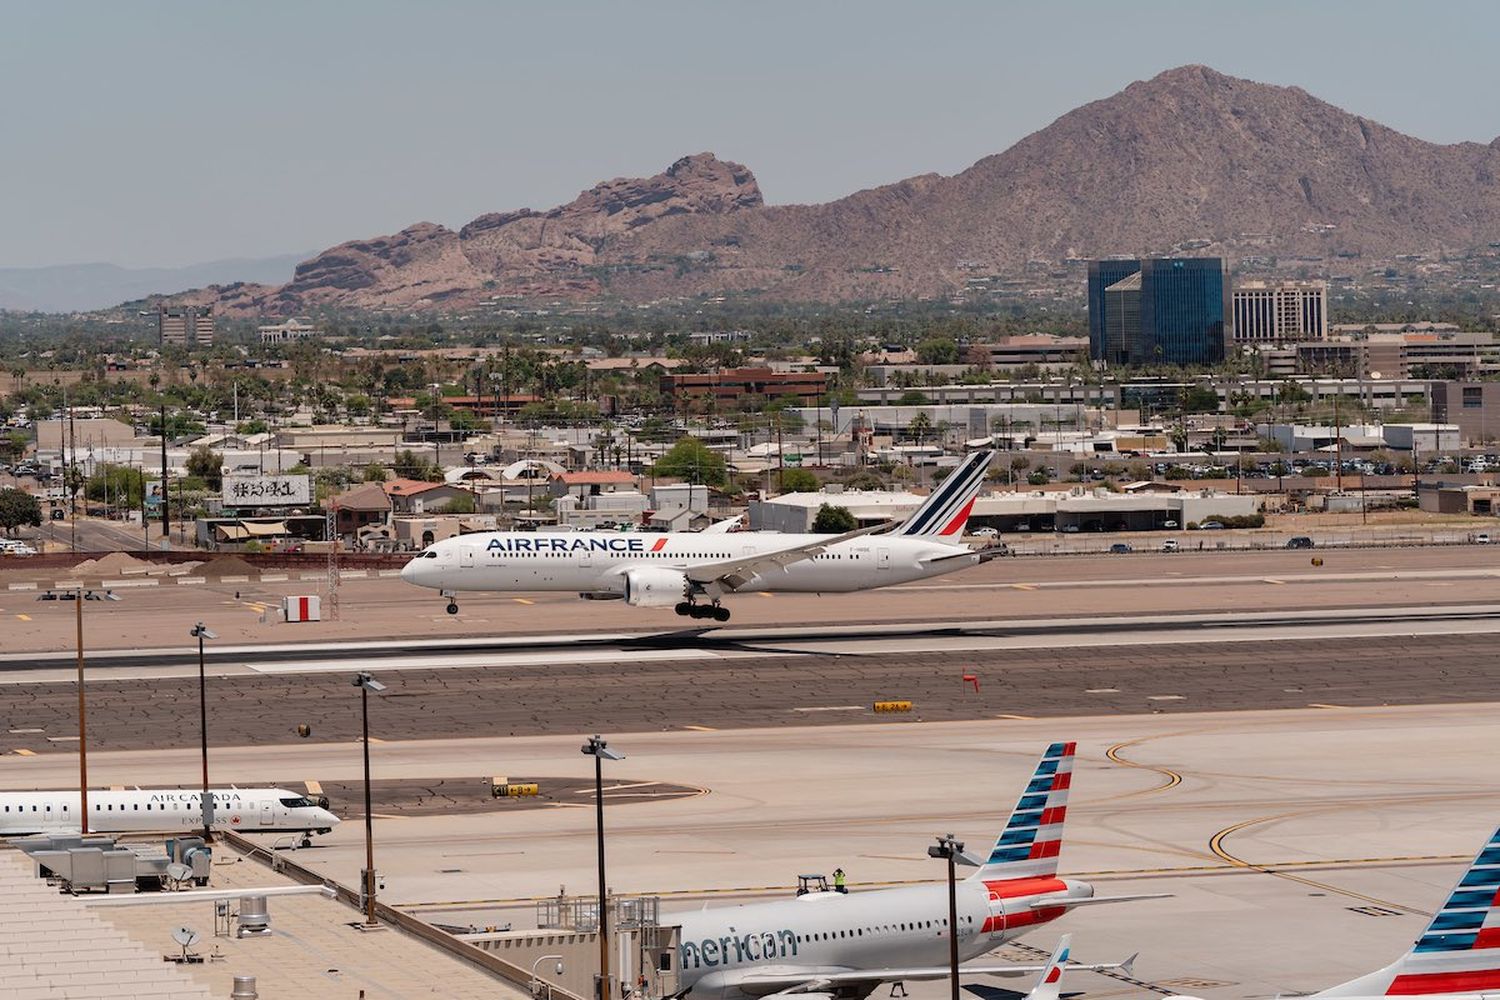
pixel 453 607
pixel 715 611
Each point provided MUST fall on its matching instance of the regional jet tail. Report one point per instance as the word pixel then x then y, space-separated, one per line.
pixel 1459 953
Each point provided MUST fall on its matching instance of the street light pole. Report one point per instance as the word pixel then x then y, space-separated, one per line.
pixel 200 633
pixel 366 684
pixel 953 852
pixel 83 743
pixel 599 750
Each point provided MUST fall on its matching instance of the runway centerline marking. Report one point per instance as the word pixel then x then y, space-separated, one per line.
pixel 831 708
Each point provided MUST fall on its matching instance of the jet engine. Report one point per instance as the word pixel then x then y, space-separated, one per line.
pixel 653 587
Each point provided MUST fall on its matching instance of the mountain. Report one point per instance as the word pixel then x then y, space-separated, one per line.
pixel 1226 166
pixel 84 287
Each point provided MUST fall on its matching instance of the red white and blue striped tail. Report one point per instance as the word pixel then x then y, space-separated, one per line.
pixel 946 511
pixel 1029 844
pixel 1460 950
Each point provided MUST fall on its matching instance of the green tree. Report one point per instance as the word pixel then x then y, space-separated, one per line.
pixel 913 397
pixel 408 465
pixel 799 481
pixel 374 473
pixel 18 508
pixel 119 484
pixel 1200 399
pixel 463 503
pixel 938 351
pixel 691 460
pixel 833 520
pixel 208 465
pixel 12 445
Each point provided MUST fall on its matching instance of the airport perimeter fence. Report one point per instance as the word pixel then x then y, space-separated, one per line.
pixel 1229 540
pixel 462 950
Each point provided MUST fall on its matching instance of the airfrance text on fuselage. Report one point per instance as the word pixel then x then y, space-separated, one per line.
pixel 571 545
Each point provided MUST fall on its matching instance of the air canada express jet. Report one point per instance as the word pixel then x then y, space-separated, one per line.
pixel 246 810
pixel 836 945
pixel 693 571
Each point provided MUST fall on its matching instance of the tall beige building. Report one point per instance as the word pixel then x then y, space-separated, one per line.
pixel 185 326
pixel 1280 312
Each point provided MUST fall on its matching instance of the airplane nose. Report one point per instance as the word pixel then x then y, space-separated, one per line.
pixel 327 818
pixel 409 571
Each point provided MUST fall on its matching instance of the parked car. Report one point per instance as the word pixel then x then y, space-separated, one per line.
pixel 1121 548
pixel 986 533
pixel 1483 538
pixel 1169 523
pixel 1299 542
pixel 1170 545
pixel 1211 526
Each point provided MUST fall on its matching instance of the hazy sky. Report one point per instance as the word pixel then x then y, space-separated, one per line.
pixel 167 133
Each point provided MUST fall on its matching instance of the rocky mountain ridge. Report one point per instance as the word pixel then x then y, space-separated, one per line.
pixel 1189 158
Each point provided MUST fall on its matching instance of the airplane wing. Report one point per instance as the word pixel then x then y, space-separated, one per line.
pixel 792 983
pixel 725 526
pixel 1063 902
pixel 732 574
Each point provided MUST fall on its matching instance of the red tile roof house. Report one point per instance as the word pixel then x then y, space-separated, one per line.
pixel 413 496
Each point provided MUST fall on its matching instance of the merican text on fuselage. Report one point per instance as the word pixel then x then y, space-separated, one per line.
pixel 567 545
pixel 757 946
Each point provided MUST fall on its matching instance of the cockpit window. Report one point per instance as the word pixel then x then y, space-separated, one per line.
pixel 429 554
pixel 297 803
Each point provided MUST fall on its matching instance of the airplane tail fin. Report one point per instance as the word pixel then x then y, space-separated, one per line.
pixel 1029 844
pixel 1049 986
pixel 946 511
pixel 1459 952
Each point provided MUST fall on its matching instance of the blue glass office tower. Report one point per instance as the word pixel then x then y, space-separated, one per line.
pixel 1102 274
pixel 1183 309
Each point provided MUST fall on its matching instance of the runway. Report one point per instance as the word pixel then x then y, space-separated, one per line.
pixel 758 677
pixel 156 614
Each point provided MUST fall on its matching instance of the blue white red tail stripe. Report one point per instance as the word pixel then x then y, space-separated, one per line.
pixel 1028 846
pixel 1459 952
pixel 945 512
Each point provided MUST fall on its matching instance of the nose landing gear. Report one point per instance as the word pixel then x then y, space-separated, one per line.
pixel 453 607
pixel 688 609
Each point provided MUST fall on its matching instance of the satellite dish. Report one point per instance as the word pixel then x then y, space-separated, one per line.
pixel 185 936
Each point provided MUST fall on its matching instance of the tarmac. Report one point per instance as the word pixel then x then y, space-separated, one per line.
pixel 1302 847
pixel 1301 755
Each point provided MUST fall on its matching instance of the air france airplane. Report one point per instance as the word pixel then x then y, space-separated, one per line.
pixel 244 810
pixel 1458 955
pixel 831 944
pixel 693 571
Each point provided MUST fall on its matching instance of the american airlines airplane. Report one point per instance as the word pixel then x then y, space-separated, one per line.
pixel 244 810
pixel 1458 955
pixel 832 944
pixel 693 571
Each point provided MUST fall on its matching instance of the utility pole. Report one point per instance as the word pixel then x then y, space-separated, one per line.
pixel 83 742
pixel 166 524
pixel 71 474
pixel 1338 446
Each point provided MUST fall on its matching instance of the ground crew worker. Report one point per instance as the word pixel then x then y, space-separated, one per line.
pixel 838 881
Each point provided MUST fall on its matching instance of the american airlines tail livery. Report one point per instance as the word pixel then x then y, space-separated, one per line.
pixel 832 944
pixel 1458 955
pixel 693 571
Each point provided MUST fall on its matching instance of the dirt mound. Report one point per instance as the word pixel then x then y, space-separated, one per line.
pixel 223 566
pixel 111 565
